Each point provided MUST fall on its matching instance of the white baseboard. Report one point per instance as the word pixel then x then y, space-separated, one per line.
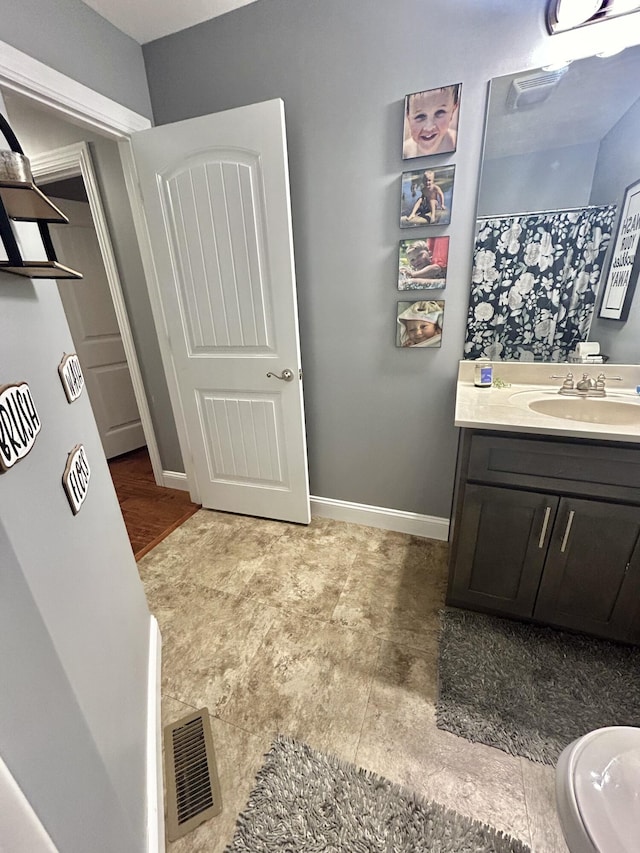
pixel 428 526
pixel 155 796
pixel 175 480
pixel 20 826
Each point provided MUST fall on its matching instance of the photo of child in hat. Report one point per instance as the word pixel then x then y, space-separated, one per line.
pixel 420 323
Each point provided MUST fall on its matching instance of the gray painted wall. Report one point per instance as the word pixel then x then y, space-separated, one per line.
pixel 70 37
pixel 39 130
pixel 379 418
pixel 618 166
pixel 74 623
pixel 543 180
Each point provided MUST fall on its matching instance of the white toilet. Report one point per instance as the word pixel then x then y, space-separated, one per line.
pixel 598 791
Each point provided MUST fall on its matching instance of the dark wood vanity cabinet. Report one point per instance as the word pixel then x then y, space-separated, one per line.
pixel 548 530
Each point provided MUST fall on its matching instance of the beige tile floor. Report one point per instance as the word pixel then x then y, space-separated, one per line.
pixel 327 633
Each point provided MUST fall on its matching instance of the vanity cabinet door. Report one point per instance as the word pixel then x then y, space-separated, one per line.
pixel 591 580
pixel 503 539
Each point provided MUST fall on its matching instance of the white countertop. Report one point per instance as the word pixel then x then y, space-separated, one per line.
pixel 506 409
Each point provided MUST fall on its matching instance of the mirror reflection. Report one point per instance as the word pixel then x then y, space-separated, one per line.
pixel 560 148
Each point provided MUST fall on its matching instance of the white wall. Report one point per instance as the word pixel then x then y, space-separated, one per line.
pixel 74 623
pixel 618 166
pixel 542 180
pixel 70 37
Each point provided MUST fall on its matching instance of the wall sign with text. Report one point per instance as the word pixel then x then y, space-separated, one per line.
pixel 19 423
pixel 76 476
pixel 71 376
pixel 625 261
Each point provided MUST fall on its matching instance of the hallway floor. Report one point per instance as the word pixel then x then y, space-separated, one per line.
pixel 327 633
pixel 150 511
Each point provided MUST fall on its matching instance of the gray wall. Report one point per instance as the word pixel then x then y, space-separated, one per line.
pixel 618 166
pixel 543 180
pixel 379 419
pixel 70 37
pixel 74 623
pixel 39 130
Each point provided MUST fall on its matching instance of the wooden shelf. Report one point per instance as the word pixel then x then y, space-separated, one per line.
pixel 25 202
pixel 39 269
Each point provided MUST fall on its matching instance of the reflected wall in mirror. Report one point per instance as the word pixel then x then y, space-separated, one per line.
pixel 563 145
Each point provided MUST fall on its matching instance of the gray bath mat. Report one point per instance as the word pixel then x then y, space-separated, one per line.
pixel 530 690
pixel 306 801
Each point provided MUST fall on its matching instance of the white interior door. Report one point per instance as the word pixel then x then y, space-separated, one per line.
pixel 216 198
pixel 94 329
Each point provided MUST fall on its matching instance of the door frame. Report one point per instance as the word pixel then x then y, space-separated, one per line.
pixel 73 161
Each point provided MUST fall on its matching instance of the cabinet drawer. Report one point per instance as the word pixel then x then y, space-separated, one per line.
pixel 576 468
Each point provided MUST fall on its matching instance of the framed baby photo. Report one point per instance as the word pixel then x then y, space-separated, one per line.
pixel 426 197
pixel 422 264
pixel 431 122
pixel 419 324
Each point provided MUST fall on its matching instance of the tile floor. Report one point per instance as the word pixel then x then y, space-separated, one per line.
pixel 327 633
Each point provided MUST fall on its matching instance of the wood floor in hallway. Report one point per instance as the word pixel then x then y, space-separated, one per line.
pixel 150 512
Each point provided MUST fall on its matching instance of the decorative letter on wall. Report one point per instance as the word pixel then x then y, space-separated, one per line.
pixel 19 423
pixel 76 477
pixel 71 376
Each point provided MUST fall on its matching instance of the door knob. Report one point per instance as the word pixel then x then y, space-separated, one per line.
pixel 286 374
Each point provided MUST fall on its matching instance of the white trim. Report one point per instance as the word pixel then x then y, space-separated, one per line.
pixel 428 526
pixel 28 76
pixel 155 804
pixel 20 826
pixel 175 480
pixel 67 162
pixel 157 309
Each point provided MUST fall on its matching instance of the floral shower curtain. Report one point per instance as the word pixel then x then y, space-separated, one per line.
pixel 534 283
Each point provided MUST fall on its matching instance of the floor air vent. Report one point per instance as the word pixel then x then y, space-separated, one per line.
pixel 193 790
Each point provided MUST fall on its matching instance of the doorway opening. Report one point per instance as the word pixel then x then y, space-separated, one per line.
pixel 150 512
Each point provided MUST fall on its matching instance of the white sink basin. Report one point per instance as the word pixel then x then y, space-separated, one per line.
pixel 590 410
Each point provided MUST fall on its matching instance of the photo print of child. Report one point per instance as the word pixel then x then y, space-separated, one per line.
pixel 431 122
pixel 426 197
pixel 422 264
pixel 420 323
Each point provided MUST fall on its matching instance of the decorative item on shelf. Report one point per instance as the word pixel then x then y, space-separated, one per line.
pixel 19 423
pixel 76 476
pixel 71 376
pixel 22 201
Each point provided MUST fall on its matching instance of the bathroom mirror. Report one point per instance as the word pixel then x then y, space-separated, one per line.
pixel 565 139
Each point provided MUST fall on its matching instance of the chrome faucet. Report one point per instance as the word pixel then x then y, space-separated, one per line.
pixel 585 387
pixel 586 384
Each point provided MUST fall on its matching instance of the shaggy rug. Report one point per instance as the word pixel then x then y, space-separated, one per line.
pixel 531 690
pixel 306 801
